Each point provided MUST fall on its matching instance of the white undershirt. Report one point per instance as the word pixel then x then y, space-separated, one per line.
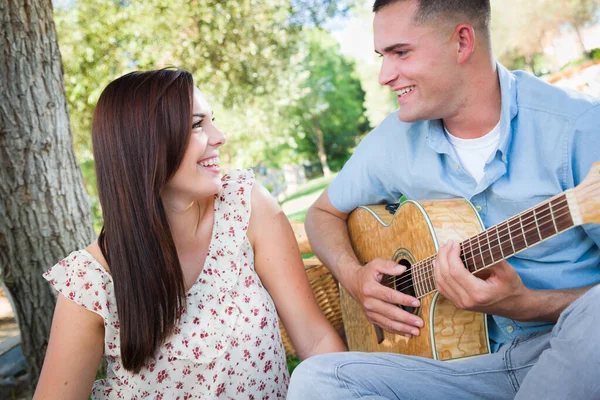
pixel 474 153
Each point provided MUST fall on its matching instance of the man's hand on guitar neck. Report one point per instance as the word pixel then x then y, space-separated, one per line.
pixel 380 303
pixel 498 290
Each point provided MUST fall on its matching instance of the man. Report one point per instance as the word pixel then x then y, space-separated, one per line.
pixel 467 127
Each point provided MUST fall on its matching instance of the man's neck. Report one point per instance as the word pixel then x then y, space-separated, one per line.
pixel 480 111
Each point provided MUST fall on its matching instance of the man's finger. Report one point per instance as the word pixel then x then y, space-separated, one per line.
pixel 393 326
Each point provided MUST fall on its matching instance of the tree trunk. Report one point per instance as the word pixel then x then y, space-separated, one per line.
pixel 44 210
pixel 321 152
pixel 581 42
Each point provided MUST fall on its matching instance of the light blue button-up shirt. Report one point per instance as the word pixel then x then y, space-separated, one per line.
pixel 549 139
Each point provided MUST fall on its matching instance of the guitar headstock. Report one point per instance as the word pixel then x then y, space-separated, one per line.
pixel 588 196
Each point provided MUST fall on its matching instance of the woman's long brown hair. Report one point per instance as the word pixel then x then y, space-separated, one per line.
pixel 140 131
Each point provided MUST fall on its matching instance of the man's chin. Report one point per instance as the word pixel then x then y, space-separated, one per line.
pixel 405 116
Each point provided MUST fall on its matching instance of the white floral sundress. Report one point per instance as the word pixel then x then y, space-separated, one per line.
pixel 227 344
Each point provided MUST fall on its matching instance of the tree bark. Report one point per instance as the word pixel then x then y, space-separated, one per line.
pixel 321 151
pixel 44 210
pixel 581 42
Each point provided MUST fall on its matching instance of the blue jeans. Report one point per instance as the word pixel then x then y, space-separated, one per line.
pixel 563 363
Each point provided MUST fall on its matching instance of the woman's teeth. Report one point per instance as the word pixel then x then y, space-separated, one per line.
pixel 210 163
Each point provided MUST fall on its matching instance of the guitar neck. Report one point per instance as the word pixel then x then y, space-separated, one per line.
pixel 507 238
pixel 519 233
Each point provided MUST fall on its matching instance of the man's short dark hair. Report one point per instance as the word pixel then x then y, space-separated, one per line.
pixel 478 12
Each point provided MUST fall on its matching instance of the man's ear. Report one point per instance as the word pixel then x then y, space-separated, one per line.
pixel 465 38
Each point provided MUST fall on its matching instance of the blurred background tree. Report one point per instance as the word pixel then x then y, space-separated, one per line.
pixel 522 32
pixel 329 115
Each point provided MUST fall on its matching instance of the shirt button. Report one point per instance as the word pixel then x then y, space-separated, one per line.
pixel 510 329
pixel 456 165
pixel 478 208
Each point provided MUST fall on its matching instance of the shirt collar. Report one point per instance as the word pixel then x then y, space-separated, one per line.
pixel 508 92
pixel 509 107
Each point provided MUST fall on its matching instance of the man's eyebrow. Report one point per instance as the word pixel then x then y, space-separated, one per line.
pixel 393 47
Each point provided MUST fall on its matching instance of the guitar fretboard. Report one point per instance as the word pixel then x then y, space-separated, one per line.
pixel 501 241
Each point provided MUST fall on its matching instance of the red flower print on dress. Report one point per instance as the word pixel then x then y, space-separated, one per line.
pixel 226 342
pixel 268 366
pixel 263 322
pixel 220 389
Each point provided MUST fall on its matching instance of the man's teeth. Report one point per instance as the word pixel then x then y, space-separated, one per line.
pixel 210 163
pixel 405 90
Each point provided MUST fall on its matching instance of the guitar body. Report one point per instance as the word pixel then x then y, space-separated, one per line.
pixel 414 233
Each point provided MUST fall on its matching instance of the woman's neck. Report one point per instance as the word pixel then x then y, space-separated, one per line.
pixel 188 222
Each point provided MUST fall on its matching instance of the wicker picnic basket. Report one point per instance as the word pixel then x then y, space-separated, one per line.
pixel 324 286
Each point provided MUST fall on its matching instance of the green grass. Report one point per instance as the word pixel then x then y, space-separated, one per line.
pixel 292 363
pixel 298 216
pixel 309 188
pixel 315 186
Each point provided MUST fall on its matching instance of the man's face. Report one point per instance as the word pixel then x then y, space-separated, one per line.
pixel 419 63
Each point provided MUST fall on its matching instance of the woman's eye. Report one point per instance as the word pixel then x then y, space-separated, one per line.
pixel 197 125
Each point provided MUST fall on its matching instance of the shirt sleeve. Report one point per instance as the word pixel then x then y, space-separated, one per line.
pixel 586 151
pixel 364 179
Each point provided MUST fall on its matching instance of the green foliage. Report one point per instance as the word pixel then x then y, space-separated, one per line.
pixel 292 363
pixel 331 102
pixel 595 54
pixel 239 52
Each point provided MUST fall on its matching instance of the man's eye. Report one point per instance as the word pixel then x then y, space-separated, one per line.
pixel 401 53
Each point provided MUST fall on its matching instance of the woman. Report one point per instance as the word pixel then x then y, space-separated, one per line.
pixel 196 265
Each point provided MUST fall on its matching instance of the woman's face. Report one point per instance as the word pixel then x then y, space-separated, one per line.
pixel 199 174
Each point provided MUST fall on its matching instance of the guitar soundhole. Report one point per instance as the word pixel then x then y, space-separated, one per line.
pixel 404 284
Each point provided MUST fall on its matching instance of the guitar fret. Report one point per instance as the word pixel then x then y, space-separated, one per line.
pixel 415 278
pixel 420 280
pixel 490 246
pixel 547 227
pixel 512 244
pixel 564 221
pixel 518 240
pixel 480 252
pixel 537 225
pixel 463 256
pixel 531 233
pixel 431 280
pixel 523 230
pixel 552 216
pixel 424 278
pixel 499 241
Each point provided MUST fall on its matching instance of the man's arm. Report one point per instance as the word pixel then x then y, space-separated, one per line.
pixel 499 291
pixel 328 235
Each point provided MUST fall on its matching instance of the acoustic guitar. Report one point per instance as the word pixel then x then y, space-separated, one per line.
pixel 411 236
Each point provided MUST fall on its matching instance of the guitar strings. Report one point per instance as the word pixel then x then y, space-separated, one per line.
pixel 527 222
pixel 427 264
pixel 559 207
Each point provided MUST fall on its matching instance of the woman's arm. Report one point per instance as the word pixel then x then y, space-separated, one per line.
pixel 280 268
pixel 74 353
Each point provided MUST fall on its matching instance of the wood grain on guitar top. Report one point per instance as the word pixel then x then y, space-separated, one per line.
pixel 415 232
